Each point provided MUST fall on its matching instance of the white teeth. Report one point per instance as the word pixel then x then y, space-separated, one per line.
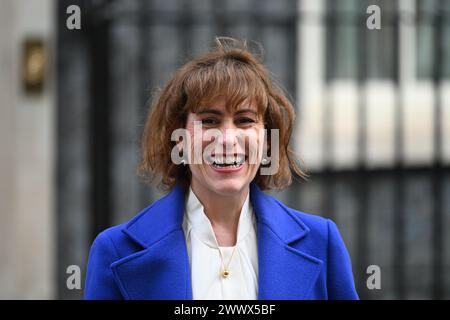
pixel 218 159
pixel 240 158
pixel 235 165
pixel 229 160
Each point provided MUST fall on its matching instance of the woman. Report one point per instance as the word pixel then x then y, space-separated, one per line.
pixel 216 234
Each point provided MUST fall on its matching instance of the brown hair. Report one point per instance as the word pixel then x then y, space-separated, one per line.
pixel 231 71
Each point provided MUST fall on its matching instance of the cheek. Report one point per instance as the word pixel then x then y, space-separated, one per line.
pixel 197 135
pixel 254 140
pixel 254 136
pixel 255 133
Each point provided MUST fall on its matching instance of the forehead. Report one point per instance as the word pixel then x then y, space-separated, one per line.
pixel 220 106
pixel 227 86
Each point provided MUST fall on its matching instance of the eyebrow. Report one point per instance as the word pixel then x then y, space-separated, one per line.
pixel 214 111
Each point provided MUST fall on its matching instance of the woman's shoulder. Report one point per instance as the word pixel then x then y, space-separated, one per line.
pixel 117 232
pixel 118 238
pixel 316 230
pixel 314 222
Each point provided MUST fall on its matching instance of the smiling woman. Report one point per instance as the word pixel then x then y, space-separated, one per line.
pixel 216 234
pixel 226 85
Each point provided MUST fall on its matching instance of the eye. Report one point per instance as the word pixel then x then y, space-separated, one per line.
pixel 209 121
pixel 246 121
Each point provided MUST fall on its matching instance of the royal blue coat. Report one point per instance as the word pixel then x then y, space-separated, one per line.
pixel 300 256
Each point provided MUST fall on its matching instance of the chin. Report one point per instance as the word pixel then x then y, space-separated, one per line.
pixel 227 188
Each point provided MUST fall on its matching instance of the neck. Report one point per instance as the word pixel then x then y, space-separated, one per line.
pixel 222 211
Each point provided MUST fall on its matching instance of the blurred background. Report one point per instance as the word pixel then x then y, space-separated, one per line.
pixel 372 126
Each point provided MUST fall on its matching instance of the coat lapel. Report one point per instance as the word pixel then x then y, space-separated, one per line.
pixel 161 270
pixel 285 272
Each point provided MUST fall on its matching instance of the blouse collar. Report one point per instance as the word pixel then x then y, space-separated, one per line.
pixel 201 225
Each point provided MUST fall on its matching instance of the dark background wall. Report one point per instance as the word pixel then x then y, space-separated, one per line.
pixel 395 217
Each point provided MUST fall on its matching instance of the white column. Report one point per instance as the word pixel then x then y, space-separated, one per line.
pixel 7 127
pixel 27 146
pixel 418 97
pixel 310 73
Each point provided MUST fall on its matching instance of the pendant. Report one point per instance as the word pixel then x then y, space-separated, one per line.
pixel 225 273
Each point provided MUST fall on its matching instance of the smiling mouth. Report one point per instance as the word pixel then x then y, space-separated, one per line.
pixel 234 161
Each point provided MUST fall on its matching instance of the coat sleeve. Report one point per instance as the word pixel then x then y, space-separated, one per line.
pixel 340 281
pixel 100 284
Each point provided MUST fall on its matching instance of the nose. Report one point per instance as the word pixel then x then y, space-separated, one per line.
pixel 230 134
pixel 228 123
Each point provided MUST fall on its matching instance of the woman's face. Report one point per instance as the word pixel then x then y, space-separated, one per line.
pixel 229 144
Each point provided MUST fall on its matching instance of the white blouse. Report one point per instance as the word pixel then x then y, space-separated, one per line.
pixel 205 259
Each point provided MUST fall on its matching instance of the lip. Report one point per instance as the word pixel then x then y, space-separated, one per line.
pixel 230 154
pixel 228 169
pixel 210 159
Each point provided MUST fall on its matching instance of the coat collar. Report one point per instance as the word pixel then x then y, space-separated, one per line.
pixel 161 270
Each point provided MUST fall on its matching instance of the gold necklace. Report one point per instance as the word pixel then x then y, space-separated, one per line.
pixel 225 272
